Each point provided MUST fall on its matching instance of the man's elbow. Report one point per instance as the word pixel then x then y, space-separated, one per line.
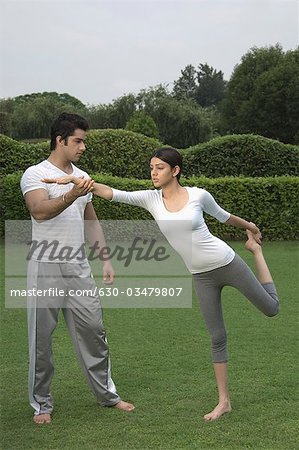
pixel 39 216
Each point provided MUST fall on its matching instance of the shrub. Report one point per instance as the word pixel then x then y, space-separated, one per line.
pixel 247 155
pixel 118 152
pixel 12 205
pixel 272 203
pixel 143 123
pixel 16 155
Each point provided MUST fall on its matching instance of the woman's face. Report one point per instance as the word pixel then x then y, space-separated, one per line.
pixel 161 173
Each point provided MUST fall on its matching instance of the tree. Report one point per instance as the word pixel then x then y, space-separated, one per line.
pixel 30 116
pixel 112 115
pixel 6 110
pixel 185 87
pixel 120 111
pixel 181 123
pixel 205 86
pixel 263 94
pixel 149 99
pixel 54 96
pixel 211 86
pixel 143 123
pixel 98 116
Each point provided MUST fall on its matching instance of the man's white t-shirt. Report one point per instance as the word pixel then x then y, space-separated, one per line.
pixel 57 239
pixel 208 251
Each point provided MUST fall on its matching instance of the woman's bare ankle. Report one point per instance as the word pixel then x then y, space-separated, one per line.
pixel 223 407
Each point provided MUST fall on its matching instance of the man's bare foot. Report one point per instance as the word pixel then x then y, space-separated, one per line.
pixel 124 406
pixel 251 243
pixel 42 418
pixel 220 409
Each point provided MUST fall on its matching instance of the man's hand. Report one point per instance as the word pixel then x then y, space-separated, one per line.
pixel 83 187
pixel 108 273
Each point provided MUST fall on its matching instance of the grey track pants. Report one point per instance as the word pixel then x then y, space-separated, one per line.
pixel 208 286
pixel 83 315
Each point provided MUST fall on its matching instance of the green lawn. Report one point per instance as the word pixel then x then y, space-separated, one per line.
pixel 161 362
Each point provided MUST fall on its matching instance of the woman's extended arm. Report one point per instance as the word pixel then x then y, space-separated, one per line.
pixel 98 189
pixel 238 222
pixel 102 190
pixel 211 207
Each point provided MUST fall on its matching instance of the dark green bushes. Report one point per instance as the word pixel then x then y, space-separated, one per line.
pixel 118 152
pixel 272 203
pixel 16 155
pixel 124 153
pixel 245 154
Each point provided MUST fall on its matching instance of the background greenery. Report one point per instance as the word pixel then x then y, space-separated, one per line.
pixel 261 97
pixel 120 152
pixel 241 155
pixel 270 202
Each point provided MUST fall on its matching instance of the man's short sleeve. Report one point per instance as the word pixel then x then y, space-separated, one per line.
pixel 31 180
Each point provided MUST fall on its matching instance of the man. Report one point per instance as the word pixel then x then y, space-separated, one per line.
pixel 58 214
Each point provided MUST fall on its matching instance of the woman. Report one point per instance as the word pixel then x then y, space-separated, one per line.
pixel 214 264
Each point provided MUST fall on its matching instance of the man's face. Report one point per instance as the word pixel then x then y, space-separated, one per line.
pixel 75 146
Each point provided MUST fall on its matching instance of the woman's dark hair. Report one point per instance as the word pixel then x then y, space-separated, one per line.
pixel 171 156
pixel 65 125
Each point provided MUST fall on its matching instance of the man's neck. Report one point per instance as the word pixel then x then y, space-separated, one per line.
pixel 61 163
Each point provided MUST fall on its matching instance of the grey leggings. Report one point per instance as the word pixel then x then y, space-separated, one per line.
pixel 208 287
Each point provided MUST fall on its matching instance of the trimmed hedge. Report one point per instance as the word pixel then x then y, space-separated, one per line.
pixel 110 151
pixel 241 155
pixel 12 206
pixel 119 152
pixel 15 156
pixel 272 203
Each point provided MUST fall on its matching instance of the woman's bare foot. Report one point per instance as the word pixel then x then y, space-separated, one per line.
pixel 220 409
pixel 124 406
pixel 251 243
pixel 42 418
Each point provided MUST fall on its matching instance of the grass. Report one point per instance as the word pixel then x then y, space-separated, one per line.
pixel 161 362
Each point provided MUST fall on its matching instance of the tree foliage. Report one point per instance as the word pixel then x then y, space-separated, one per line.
pixel 186 87
pixel 180 123
pixel 205 86
pixel 143 123
pixel 211 86
pixel 30 116
pixel 263 95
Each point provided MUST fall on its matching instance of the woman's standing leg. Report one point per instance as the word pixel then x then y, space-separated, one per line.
pixel 260 291
pixel 209 295
pixel 224 406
